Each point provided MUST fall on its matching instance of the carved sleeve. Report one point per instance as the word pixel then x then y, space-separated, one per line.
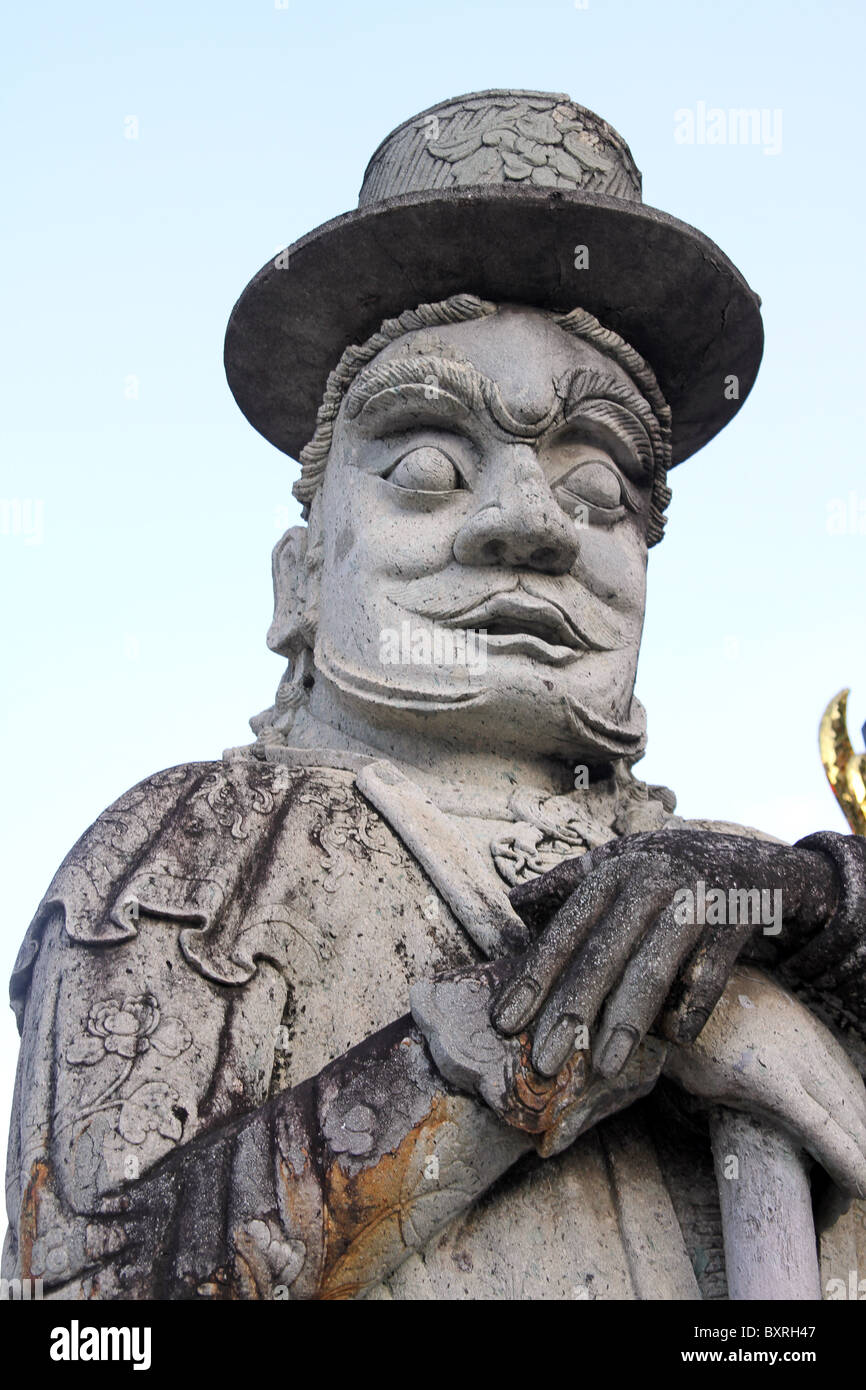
pixel 327 1188
pixel 126 1053
pixel 319 1193
pixel 833 959
pixel 145 1160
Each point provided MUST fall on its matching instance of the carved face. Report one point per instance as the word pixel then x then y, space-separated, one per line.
pixel 479 482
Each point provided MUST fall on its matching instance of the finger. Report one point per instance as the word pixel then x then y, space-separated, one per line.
pixel 550 891
pixel 816 1092
pixel 702 983
pixel 639 998
pixel 838 1142
pixel 548 956
pixel 578 998
pixel 828 1075
pixel 839 1146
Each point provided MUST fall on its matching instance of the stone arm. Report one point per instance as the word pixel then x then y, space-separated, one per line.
pixel 324 1190
pixel 832 960
pixel 151 991
pixel 650 926
pixel 320 1193
pixel 129 1178
pixel 146 1161
pixel 145 1164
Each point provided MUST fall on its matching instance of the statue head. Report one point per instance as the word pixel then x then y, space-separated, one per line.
pixel 482 488
pixel 483 473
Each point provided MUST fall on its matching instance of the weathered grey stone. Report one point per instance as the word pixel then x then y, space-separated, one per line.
pixel 221 1090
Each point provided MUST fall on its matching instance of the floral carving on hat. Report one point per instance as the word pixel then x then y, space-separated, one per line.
pixel 524 145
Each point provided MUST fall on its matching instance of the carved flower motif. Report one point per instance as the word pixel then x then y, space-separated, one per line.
pixel 128 1027
pixel 150 1108
pixel 523 145
pixel 350 1130
pixel 284 1258
pixel 49 1254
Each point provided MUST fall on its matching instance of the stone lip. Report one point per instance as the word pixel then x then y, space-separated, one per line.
pixel 667 289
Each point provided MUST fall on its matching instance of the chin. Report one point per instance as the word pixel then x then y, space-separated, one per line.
pixel 528 708
pixel 548 712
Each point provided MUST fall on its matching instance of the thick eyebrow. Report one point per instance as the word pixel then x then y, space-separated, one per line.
pixel 438 376
pixel 580 383
pixel 588 394
pixel 444 380
pixel 583 393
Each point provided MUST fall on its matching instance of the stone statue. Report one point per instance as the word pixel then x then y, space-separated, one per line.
pixel 425 994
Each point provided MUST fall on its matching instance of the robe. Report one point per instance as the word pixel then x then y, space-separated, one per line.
pixel 227 931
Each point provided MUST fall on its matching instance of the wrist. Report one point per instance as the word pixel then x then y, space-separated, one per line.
pixel 838 950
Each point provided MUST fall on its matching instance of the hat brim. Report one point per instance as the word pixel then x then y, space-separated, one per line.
pixel 660 284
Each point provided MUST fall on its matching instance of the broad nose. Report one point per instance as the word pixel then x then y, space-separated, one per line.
pixel 521 526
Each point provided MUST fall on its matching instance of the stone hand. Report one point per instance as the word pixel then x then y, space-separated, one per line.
pixel 621 949
pixel 762 1051
pixel 453 1013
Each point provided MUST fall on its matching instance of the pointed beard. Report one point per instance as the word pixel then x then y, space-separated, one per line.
pixel 624 738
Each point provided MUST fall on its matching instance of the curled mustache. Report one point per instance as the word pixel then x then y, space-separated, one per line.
pixel 446 597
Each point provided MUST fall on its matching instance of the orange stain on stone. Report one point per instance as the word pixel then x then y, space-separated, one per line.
pixel 40 1175
pixel 365 1213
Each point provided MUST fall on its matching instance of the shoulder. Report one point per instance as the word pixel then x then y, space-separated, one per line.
pixel 99 859
pixel 179 842
pixel 723 827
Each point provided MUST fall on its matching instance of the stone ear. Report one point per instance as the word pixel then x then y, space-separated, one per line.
pixel 294 567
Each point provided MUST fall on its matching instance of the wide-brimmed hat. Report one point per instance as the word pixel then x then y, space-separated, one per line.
pixel 517 197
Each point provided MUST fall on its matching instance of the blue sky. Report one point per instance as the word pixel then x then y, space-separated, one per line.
pixel 137 585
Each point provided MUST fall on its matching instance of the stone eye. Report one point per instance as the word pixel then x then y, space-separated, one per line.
pixel 593 482
pixel 425 470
